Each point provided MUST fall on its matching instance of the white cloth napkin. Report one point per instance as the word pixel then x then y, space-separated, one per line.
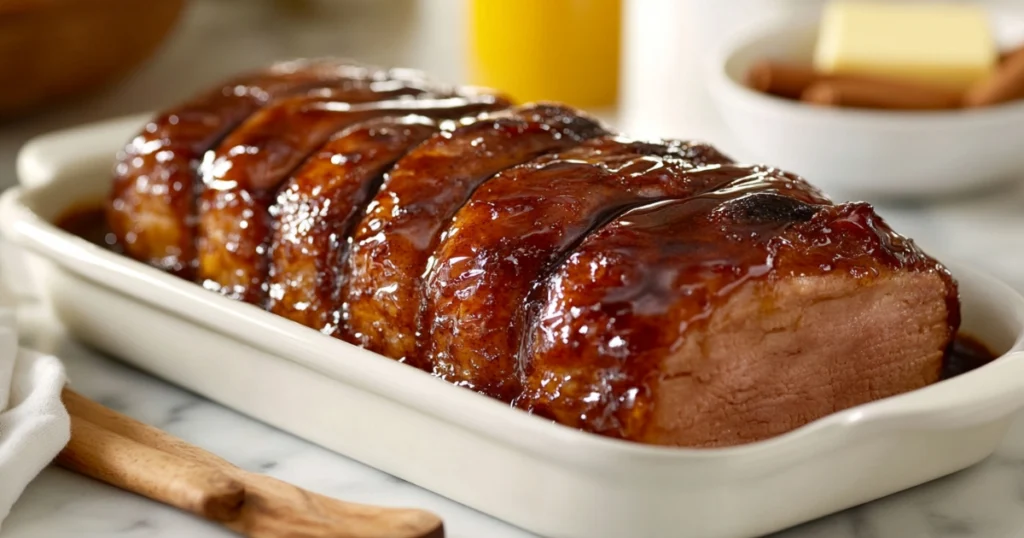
pixel 34 426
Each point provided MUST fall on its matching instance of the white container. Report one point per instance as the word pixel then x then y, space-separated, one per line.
pixel 546 478
pixel 864 153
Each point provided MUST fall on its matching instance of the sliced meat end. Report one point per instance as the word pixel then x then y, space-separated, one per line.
pixel 393 244
pixel 778 356
pixel 733 317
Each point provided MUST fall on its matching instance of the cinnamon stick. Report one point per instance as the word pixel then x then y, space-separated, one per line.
pixel 1009 53
pixel 1006 84
pixel 878 94
pixel 781 79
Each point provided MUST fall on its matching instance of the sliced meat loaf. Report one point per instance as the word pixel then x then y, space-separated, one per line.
pixel 242 176
pixel 651 291
pixel 733 317
pixel 317 208
pixel 403 225
pixel 151 204
pixel 520 223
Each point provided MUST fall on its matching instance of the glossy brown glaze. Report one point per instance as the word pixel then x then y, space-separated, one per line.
pixel 651 291
pixel 152 202
pixel 89 222
pixel 518 224
pixel 598 327
pixel 317 208
pixel 641 292
pixel 403 225
pixel 241 178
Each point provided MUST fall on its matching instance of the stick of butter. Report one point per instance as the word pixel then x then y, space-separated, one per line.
pixel 943 44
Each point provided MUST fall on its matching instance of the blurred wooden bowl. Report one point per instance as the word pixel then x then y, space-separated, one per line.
pixel 51 50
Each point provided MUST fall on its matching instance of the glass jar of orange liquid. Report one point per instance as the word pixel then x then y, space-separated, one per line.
pixel 547 50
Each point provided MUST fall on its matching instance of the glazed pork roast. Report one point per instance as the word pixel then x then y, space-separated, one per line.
pixel 649 290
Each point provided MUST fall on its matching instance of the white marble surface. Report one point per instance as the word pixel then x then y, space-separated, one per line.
pixel 986 501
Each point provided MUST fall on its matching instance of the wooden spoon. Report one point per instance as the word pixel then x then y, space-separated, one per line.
pixel 123 452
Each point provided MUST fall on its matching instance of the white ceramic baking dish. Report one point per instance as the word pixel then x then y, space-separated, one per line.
pixel 546 478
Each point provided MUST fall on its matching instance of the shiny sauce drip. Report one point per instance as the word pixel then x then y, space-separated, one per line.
pixel 89 222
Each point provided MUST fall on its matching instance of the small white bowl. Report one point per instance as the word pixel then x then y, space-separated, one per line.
pixel 856 152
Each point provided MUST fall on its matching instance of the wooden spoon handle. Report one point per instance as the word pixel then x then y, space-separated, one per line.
pixel 126 453
pixel 163 477
pixel 141 433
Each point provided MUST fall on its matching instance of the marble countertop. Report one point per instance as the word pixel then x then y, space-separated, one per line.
pixel 217 36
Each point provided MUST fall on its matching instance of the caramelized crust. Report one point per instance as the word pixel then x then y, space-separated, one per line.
pixel 712 321
pixel 517 225
pixel 392 245
pixel 317 208
pixel 241 178
pixel 151 203
pixel 652 291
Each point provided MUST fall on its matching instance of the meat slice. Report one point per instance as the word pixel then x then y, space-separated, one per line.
pixel 519 223
pixel 733 317
pixel 317 208
pixel 241 178
pixel 393 243
pixel 151 203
